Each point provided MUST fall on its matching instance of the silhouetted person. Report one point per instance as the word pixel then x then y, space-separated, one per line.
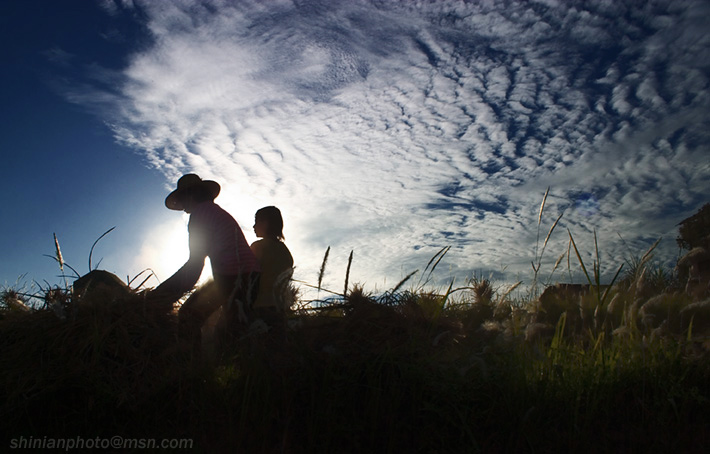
pixel 215 234
pixel 276 265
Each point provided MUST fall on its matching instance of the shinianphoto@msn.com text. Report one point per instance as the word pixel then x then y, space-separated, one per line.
pixel 115 442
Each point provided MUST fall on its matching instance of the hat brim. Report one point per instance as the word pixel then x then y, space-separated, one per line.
pixel 174 200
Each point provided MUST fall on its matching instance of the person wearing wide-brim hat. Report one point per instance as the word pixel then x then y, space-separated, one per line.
pixel 213 233
pixel 188 185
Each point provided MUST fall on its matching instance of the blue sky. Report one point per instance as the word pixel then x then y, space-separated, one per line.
pixel 64 172
pixel 389 128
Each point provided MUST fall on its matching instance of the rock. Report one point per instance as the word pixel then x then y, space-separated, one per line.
pixel 100 284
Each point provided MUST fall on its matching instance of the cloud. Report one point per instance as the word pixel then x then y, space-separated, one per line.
pixel 394 129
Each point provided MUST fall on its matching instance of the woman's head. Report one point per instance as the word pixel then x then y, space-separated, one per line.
pixel 268 223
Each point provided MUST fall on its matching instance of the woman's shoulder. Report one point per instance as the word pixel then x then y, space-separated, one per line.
pixel 265 244
pixel 257 245
pixel 284 252
pixel 271 246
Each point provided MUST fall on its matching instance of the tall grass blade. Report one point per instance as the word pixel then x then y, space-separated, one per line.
pixel 57 257
pixel 542 206
pixel 539 220
pixel 544 245
pixel 445 250
pixel 597 262
pixel 556 342
pixel 147 270
pixel 403 281
pixel 58 253
pixel 579 257
pixel 97 240
pixel 547 238
pixel 448 292
pixel 347 275
pixel 611 284
pixel 441 252
pixel 557 264
pixel 569 265
pixel 647 255
pixel 444 299
pixel 507 292
pixel 435 260
pixel 322 268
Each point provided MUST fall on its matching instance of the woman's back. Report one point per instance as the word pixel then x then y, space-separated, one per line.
pixel 276 269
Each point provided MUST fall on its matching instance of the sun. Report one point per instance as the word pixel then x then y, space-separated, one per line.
pixel 165 249
pixel 173 249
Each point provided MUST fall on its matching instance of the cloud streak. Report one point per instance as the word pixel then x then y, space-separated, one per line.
pixel 397 128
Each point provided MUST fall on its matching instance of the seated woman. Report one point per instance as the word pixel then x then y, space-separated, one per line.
pixel 276 265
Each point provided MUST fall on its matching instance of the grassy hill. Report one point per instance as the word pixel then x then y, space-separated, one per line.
pixel 461 370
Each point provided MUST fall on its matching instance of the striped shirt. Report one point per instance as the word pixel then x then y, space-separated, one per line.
pixel 214 233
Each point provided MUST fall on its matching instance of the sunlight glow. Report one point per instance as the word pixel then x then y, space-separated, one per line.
pixel 165 250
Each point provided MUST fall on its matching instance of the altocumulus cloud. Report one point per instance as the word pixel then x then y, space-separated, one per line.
pixel 397 128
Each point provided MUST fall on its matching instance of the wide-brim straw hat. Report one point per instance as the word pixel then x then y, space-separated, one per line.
pixel 174 200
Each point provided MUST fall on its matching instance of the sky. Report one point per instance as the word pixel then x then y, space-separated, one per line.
pixel 391 129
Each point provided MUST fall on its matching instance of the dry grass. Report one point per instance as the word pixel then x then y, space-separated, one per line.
pixel 454 371
pixel 611 369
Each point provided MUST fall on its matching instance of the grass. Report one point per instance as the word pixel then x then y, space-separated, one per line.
pixel 418 370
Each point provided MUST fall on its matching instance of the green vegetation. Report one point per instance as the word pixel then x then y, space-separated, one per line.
pixel 620 368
